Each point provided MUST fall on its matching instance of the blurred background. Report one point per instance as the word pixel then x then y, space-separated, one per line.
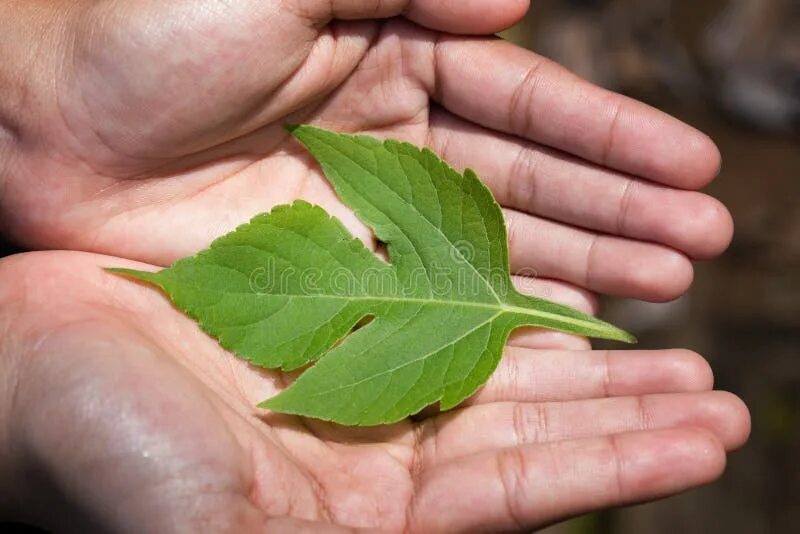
pixel 731 68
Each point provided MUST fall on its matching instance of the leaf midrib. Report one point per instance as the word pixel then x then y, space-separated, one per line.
pixel 499 307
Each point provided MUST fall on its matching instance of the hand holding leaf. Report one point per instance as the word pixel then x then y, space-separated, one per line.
pixel 289 288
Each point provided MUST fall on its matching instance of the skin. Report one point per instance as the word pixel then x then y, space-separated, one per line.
pixel 143 130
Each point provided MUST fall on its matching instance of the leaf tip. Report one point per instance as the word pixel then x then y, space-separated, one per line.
pixel 624 337
pixel 143 276
pixel 278 404
pixel 266 405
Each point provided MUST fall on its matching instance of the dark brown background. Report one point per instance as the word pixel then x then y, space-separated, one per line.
pixel 732 68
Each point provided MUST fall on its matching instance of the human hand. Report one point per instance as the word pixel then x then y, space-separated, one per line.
pixel 118 414
pixel 150 128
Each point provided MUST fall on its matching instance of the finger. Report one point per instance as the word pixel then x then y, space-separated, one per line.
pixel 521 488
pixel 544 339
pixel 602 263
pixel 556 291
pixel 536 99
pixel 512 424
pixel 454 16
pixel 542 181
pixel 526 375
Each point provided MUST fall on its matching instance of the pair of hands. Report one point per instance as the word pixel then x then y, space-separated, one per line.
pixel 144 130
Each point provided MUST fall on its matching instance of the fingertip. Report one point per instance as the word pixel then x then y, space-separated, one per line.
pixel 703 448
pixel 476 17
pixel 514 11
pixel 713 224
pixel 695 223
pixel 668 461
pixel 704 160
pixel 663 148
pixel 732 419
pixel 690 372
pixel 663 277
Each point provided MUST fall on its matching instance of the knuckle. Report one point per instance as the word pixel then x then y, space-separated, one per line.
pixel 523 99
pixel 512 471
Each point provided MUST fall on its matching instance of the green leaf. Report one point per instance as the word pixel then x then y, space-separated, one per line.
pixel 294 287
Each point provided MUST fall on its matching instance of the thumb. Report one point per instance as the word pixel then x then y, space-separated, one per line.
pixel 453 16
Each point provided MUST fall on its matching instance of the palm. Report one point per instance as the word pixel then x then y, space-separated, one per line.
pixel 145 419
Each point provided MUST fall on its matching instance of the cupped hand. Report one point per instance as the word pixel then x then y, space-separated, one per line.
pixel 126 418
pixel 150 128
